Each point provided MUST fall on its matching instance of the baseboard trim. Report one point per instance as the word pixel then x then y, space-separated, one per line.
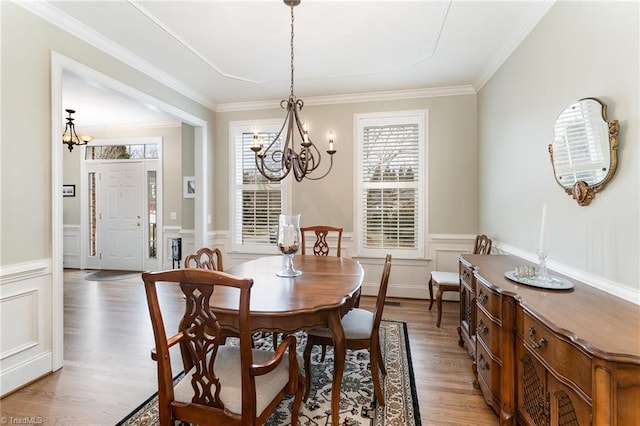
pixel 25 372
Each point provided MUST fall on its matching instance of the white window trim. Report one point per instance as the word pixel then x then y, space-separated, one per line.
pixel 421 117
pixel 248 126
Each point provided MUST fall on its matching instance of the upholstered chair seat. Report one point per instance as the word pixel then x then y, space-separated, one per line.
pixel 228 366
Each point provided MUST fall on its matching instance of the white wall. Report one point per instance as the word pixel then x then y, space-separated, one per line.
pixel 579 49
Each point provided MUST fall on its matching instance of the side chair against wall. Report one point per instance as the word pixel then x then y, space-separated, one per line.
pixel 205 258
pixel 321 247
pixel 223 384
pixel 450 281
pixel 361 331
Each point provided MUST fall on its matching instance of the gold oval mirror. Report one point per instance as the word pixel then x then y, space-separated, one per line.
pixel 584 149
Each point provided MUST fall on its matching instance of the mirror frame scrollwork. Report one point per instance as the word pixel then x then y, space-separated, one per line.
pixel 582 191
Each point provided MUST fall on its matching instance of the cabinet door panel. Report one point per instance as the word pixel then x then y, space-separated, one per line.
pixel 567 407
pixel 531 387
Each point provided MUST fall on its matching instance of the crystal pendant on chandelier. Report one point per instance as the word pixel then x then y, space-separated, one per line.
pixel 276 164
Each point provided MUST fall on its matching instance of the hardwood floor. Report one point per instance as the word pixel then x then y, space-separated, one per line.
pixel 108 370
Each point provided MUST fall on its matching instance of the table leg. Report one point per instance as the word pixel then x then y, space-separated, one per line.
pixel 339 355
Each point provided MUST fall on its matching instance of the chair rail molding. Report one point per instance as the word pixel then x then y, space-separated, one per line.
pixel 617 289
pixel 25 270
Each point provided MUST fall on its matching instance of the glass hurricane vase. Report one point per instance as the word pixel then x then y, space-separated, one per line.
pixel 288 243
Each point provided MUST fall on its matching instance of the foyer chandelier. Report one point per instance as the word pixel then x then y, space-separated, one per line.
pixel 70 137
pixel 275 164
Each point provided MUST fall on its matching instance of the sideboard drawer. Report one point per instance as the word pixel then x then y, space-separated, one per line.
pixel 489 371
pixel 466 275
pixel 559 355
pixel 489 332
pixel 488 299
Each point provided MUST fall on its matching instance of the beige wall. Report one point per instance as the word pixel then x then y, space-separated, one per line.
pixel 579 49
pixel 27 43
pixel 452 155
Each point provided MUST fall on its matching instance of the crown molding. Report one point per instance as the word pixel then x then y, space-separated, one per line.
pixel 134 126
pixel 393 95
pixel 76 28
pixel 509 45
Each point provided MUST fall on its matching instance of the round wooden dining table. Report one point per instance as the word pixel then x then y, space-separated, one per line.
pixel 326 290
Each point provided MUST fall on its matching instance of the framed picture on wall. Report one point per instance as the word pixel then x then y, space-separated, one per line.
pixel 189 187
pixel 68 190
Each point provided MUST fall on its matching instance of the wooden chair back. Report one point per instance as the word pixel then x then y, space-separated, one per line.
pixel 382 292
pixel 205 258
pixel 200 337
pixel 482 245
pixel 321 247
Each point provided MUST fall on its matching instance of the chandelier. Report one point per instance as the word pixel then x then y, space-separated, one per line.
pixel 275 164
pixel 70 137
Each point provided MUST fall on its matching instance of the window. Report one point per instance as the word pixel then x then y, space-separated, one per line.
pixel 122 152
pixel 256 203
pixel 391 158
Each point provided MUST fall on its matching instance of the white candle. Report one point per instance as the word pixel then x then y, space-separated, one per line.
pixel 543 224
pixel 289 236
pixel 331 141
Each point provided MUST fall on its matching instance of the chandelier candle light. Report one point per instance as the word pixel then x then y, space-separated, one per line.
pixel 276 164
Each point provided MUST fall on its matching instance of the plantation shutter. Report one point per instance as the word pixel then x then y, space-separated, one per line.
pixel 390 173
pixel 258 201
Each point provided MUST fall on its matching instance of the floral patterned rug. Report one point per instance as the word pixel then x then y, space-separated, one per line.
pixel 357 406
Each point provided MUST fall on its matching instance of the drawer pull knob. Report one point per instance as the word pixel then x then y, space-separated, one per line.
pixel 482 329
pixel 482 298
pixel 482 364
pixel 542 343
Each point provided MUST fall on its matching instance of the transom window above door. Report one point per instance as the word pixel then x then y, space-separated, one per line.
pixel 122 152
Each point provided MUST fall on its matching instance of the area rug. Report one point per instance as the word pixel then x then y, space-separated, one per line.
pixel 111 275
pixel 357 406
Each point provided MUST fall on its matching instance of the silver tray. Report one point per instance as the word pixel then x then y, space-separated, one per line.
pixel 556 283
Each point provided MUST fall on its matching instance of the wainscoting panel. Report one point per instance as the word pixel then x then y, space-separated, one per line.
pixel 25 327
pixel 21 312
pixel 71 246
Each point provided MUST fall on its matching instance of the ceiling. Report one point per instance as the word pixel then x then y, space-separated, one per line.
pixel 230 54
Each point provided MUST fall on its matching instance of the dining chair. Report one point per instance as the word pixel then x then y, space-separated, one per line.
pixel 222 384
pixel 321 247
pixel 361 331
pixel 450 281
pixel 205 258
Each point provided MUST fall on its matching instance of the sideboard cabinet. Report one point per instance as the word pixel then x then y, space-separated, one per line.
pixel 545 357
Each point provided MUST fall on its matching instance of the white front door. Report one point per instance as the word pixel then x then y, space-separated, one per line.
pixel 121 204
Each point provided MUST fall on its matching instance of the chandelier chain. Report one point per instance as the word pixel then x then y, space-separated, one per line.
pixel 291 51
pixel 279 157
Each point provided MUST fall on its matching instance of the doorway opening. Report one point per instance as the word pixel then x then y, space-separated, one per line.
pixel 121 217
